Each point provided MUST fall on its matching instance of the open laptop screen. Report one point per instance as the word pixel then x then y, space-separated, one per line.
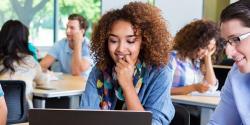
pixel 88 117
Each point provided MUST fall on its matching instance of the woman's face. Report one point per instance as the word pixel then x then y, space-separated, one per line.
pixel 202 52
pixel 123 42
pixel 238 42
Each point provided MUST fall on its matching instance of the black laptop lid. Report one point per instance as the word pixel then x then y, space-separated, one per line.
pixel 88 117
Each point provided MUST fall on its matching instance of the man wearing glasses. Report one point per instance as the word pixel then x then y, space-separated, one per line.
pixel 234 41
pixel 234 107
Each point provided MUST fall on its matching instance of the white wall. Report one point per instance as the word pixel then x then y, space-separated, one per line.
pixel 232 1
pixel 115 4
pixel 180 12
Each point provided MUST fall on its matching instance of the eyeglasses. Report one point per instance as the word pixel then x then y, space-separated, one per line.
pixel 234 41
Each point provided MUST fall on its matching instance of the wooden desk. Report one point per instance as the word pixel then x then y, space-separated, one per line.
pixel 207 104
pixel 222 66
pixel 67 86
pixel 26 123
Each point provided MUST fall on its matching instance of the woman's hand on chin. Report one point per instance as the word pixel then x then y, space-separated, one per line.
pixel 124 72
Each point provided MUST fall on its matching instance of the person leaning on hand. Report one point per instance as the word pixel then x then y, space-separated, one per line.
pixel 192 54
pixel 72 53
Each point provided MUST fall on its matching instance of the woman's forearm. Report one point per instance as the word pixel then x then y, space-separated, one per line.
pixel 131 99
pixel 183 90
pixel 209 74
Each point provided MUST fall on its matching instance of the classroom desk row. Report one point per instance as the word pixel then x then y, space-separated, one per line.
pixel 206 103
pixel 67 85
pixel 222 66
pixel 73 86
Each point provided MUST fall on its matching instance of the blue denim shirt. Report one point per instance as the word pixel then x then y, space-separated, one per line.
pixel 154 94
pixel 63 53
pixel 234 106
pixel 1 91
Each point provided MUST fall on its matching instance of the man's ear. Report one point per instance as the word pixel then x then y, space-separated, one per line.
pixel 83 31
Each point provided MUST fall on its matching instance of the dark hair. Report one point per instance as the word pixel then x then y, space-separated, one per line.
pixel 82 21
pixel 239 10
pixel 13 44
pixel 146 21
pixel 194 36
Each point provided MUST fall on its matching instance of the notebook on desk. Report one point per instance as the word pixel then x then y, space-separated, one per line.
pixel 87 117
pixel 208 93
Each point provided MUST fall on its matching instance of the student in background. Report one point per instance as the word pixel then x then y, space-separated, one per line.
pixel 72 53
pixel 194 46
pixel 234 106
pixel 16 61
pixel 3 108
pixel 131 47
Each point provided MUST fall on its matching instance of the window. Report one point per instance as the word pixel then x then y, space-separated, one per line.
pixel 35 14
pixel 38 15
pixel 89 9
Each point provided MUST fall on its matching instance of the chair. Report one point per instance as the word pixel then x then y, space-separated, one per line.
pixel 181 117
pixel 14 94
pixel 221 75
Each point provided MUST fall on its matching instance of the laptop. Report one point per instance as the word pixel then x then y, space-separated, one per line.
pixel 88 117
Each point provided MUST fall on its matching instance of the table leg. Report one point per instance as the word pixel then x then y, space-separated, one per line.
pixel 205 115
pixel 74 102
pixel 39 102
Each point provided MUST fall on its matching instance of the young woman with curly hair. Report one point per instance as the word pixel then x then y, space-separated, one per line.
pixel 194 45
pixel 191 59
pixel 131 47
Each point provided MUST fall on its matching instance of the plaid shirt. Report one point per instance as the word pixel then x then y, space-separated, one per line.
pixel 186 72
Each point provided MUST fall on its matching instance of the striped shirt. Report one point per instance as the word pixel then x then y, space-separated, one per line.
pixel 186 72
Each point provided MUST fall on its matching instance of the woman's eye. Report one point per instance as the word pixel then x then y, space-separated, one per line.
pixel 112 41
pixel 131 41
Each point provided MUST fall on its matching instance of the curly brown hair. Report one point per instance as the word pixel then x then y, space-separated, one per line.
pixel 146 21
pixel 194 36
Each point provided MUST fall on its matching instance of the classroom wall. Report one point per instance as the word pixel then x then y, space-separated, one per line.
pixel 232 1
pixel 180 12
pixel 213 8
pixel 210 9
pixel 177 12
pixel 115 4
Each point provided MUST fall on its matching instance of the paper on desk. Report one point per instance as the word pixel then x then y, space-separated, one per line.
pixel 208 93
pixel 52 76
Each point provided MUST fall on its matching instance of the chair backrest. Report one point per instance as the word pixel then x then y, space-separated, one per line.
pixel 221 75
pixel 14 94
pixel 181 117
